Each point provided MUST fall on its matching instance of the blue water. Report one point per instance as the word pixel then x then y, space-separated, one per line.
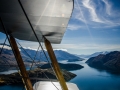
pixel 12 87
pixel 92 79
pixel 87 79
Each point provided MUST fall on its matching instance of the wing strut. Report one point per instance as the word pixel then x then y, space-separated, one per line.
pixel 51 54
pixel 55 64
pixel 23 72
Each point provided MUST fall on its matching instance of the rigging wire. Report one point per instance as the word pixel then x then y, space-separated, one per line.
pixel 45 74
pixel 27 53
pixel 35 33
pixel 33 30
pixel 39 65
pixel 7 36
pixel 36 64
pixel 35 57
pixel 33 60
pixel 2 51
pixel 3 46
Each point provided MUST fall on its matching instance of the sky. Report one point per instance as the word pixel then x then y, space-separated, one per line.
pixel 94 26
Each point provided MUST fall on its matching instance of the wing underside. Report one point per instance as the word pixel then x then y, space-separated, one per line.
pixel 49 18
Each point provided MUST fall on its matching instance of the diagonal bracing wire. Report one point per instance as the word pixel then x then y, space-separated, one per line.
pixel 2 50
pixel 7 36
pixel 35 34
pixel 3 46
pixel 36 64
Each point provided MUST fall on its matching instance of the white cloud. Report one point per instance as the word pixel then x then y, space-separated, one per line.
pixel 5 47
pixel 77 14
pixel 61 49
pixel 30 48
pixel 74 27
pixel 92 11
pixel 108 7
pixel 98 47
pixel 96 15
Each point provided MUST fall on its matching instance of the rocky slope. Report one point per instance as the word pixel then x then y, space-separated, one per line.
pixel 37 74
pixel 110 61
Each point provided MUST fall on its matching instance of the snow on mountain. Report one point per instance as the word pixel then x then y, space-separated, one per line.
pixel 60 54
pixel 94 54
pixel 5 46
pixel 97 53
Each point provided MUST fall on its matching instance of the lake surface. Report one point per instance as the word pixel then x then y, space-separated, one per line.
pixel 92 79
pixel 87 79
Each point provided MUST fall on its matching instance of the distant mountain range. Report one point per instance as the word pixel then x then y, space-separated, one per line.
pixel 7 55
pixel 93 55
pixel 110 61
pixel 96 54
pixel 60 55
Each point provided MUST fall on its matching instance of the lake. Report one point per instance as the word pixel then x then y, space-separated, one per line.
pixel 87 79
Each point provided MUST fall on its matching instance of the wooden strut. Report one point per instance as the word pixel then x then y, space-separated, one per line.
pixel 23 72
pixel 55 64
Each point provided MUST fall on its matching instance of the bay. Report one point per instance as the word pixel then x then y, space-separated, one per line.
pixel 92 79
pixel 87 79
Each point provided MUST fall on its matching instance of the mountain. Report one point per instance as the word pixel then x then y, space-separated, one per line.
pixel 110 61
pixel 96 54
pixel 93 55
pixel 7 55
pixel 63 55
pixel 60 55
pixel 81 56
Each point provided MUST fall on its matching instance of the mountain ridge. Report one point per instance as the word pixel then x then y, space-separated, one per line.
pixel 93 54
pixel 110 61
pixel 7 55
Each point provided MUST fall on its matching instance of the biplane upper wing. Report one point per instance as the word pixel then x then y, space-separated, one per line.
pixel 49 18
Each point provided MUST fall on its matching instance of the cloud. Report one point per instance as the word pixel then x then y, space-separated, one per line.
pixel 44 49
pixel 77 13
pixel 92 11
pixel 28 44
pixel 61 49
pixel 5 47
pixel 78 16
pixel 108 7
pixel 95 14
pixel 97 47
pixel 74 27
pixel 30 48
